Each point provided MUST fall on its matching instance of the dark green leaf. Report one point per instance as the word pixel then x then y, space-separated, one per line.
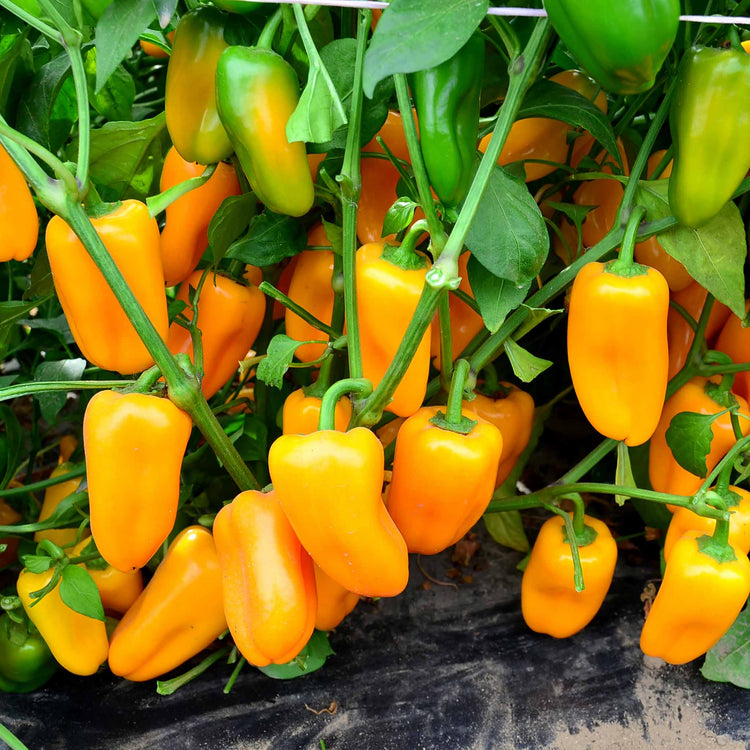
pixel 165 10
pixel 12 43
pixel 13 447
pixel 313 656
pixel 273 367
pixel 399 216
pixel 714 254
pixel 230 222
pixel 508 235
pixel 495 297
pixel 41 281
pixel 58 324
pixel 65 369
pixel 729 659
pixel 115 99
pixel 249 436
pixel 506 528
pixel 6 380
pixel 78 591
pixel 525 365
pixel 10 314
pixel 623 472
pixel 689 437
pixel 272 237
pixel 419 34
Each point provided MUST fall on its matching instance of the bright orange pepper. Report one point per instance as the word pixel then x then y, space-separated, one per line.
pixel 734 340
pixel 19 223
pixel 53 496
pixel 301 413
pixel 334 601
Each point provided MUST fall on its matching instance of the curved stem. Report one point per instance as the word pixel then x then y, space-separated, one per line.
pixel 360 386
pixel 49 31
pixel 624 265
pixel 265 40
pixel 158 203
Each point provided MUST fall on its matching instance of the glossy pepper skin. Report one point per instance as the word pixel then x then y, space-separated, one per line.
pixel 53 496
pixel 622 45
pixel 329 485
pixel 665 474
pixel 185 235
pixel 617 350
pixel 334 601
pixel 179 613
pixel 513 415
pixel 442 480
pixel 230 315
pixel 99 325
pixel 698 601
pixel 447 103
pixel 256 92
pixel 267 579
pixel 311 288
pixel 709 120
pixel 19 223
pixel 192 116
pixel 26 662
pixel 387 296
pixel 134 446
pixel 78 643
pixel 734 340
pixel 301 413
pixel 549 602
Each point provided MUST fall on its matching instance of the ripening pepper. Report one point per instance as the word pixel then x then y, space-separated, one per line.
pixel 179 613
pixel 301 413
pixel 230 315
pixel 154 50
pixel 684 520
pixel 26 662
pixel 78 643
pixel 134 445
pixel 334 601
pixel 101 327
pixel 734 340
pixel 622 45
pixel 709 120
pixel 442 480
pixel 256 92
pixel 267 579
pixel 701 397
pixel 311 288
pixel 329 485
pixel 185 235
pixel 446 98
pixel 53 496
pixel 389 285
pixel 19 223
pixel 190 104
pixel 680 333
pixel 617 350
pixel 549 601
pixel 698 600
pixel 511 410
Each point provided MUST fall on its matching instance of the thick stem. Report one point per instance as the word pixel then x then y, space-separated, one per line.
pixel 360 386
pixel 446 344
pixel 158 203
pixel 625 265
pixel 453 410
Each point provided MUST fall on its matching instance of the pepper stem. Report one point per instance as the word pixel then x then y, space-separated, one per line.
pixel 405 255
pixel 625 265
pixel 265 40
pixel 361 386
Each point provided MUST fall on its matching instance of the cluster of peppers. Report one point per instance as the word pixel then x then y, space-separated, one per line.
pixel 279 564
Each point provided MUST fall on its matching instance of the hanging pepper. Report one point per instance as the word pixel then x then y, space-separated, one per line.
pixel 19 223
pixel 709 120
pixel 268 580
pixel 230 315
pixel 256 92
pixel 190 104
pixel 734 340
pixel 311 288
pixel 549 601
pixel 134 445
pixel 26 662
pixel 185 235
pixel 701 397
pixel 301 413
pixel 622 45
pixel 334 601
pixel 446 98
pixel 706 584
pixel 53 496
pixel 101 327
pixel 179 613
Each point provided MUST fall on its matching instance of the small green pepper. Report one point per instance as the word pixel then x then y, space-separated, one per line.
pixel 26 662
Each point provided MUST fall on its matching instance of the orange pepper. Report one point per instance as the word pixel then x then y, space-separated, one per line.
pixel 154 50
pixel 734 340
pixel 230 315
pixel 19 223
pixel 301 413
pixel 53 496
pixel 268 580
pixel 334 601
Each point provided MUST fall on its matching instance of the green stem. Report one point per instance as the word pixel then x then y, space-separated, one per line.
pixel 739 447
pixel 507 35
pixel 44 483
pixel 308 317
pixel 360 386
pixel 453 410
pixel 167 687
pixel 625 265
pixel 446 344
pixel 27 389
pixel 49 31
pixel 588 462
pixel 235 674
pixel 265 40
pixel 158 203
pixel 10 739
pixel 73 48
pixel 573 542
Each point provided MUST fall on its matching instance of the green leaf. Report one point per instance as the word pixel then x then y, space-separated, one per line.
pixel 249 436
pixel 78 591
pixel 12 44
pixel 509 236
pixel 58 324
pixel 399 216
pixel 271 238
pixel 115 99
pixel 66 369
pixel 273 367
pixel 419 34
pixel 37 563
pixel 729 659
pixel 525 365
pixel 335 235
pixel 117 31
pixel 230 222
pixel 164 11
pixel 495 297
pixel 506 528
pixel 689 437
pixel 535 317
pixel 10 314
pixel 714 254
pixel 313 656
pixel 623 473
pixel 41 281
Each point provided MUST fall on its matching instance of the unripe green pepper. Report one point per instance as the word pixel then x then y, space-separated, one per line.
pixel 710 124
pixel 192 118
pixel 26 662
pixel 447 102
pixel 256 92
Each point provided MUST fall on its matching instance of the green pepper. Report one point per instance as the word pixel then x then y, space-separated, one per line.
pixel 26 662
pixel 256 92
pixel 621 44
pixel 237 6
pixel 192 119
pixel 447 103
pixel 710 124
